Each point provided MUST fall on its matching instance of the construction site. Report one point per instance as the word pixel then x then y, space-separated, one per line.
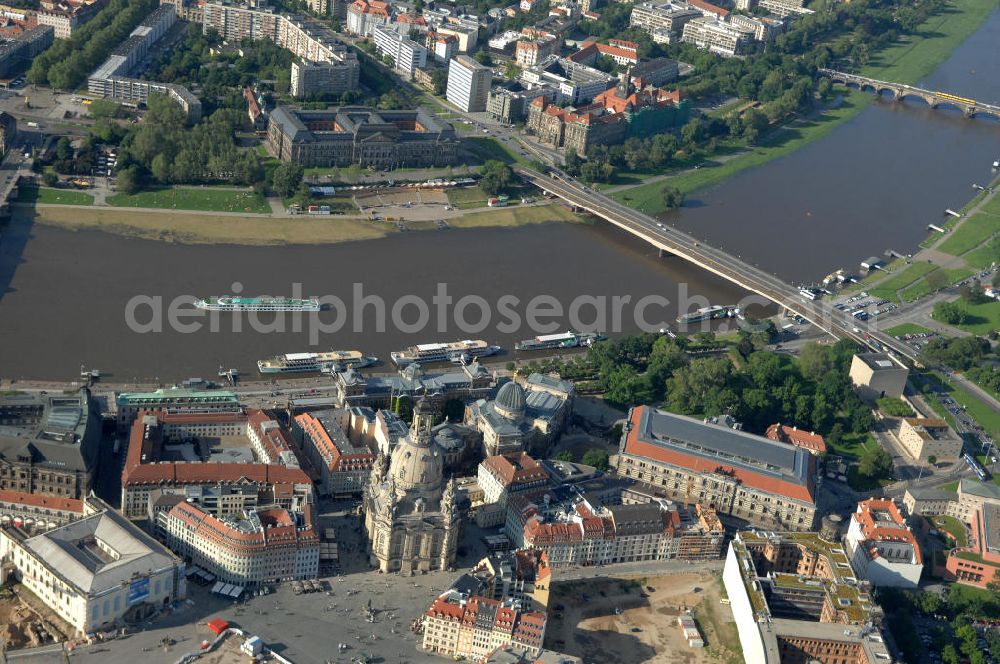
pixel 635 619
pixel 25 622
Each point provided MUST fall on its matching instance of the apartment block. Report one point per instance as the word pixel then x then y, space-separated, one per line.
pixel 344 465
pixel 407 55
pixel 717 37
pixel 257 547
pixel 468 83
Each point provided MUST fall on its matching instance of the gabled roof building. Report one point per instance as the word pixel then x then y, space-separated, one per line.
pixel 739 474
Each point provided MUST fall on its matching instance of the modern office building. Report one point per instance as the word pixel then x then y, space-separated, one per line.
pixel 881 546
pixel 763 482
pixel 259 546
pixel 795 599
pixel 716 36
pixel 979 563
pixel 344 465
pixel 468 84
pixel 764 28
pixel 360 135
pixel 407 55
pixel 96 572
pixel 49 444
pixel 574 83
pixel 666 18
pixel 924 437
pixel 877 375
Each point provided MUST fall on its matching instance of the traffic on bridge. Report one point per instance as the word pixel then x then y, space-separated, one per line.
pixel 727 266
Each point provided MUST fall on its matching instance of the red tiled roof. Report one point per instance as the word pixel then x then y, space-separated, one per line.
pixel 36 500
pixel 518 468
pixel 798 437
pixel 640 448
pixel 709 7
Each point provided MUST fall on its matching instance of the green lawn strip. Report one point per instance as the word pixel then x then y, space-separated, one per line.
pixel 485 148
pixel 950 486
pixel 952 526
pixel 984 317
pixel 985 256
pixel 465 198
pixel 982 413
pixel 906 328
pixel 205 199
pixel 52 196
pixel 922 288
pixel 901 279
pixel 974 231
pixel 916 56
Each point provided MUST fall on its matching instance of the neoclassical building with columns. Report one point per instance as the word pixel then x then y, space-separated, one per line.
pixel 412 515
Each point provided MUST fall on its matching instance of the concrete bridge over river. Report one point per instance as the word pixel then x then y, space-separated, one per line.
pixel 821 314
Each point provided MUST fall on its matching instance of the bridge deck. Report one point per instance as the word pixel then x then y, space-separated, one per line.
pixel 725 265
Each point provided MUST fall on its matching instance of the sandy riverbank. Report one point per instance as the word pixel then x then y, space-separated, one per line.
pixel 224 228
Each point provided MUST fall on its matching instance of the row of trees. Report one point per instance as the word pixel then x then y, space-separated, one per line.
pixel 162 149
pixel 961 353
pixel 68 62
pixel 955 638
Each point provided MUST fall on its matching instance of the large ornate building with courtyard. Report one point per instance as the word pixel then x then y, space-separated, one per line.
pixel 412 514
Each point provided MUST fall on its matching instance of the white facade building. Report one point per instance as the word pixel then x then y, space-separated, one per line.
pixel 97 571
pixel 262 546
pixel 468 83
pixel 407 55
pixel 881 547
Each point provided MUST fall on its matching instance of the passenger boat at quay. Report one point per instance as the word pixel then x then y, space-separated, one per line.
pixel 709 313
pixel 455 351
pixel 561 340
pixel 334 360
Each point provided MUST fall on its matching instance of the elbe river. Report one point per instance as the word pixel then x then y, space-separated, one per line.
pixel 872 184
